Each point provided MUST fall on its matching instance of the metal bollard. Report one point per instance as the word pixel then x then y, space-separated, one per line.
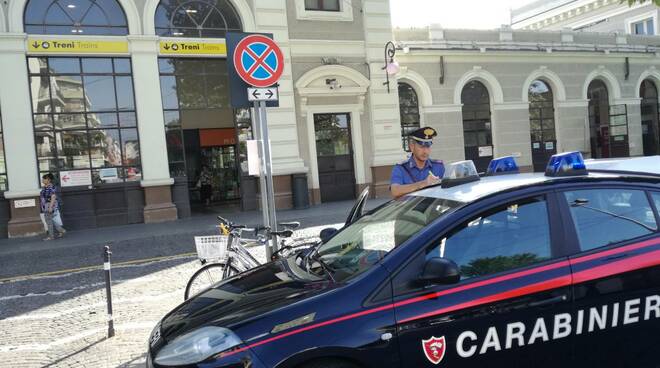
pixel 108 290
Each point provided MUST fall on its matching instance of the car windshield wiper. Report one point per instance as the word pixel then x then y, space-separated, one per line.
pixel 316 257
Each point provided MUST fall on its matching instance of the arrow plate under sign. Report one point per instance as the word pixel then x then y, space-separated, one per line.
pixel 262 94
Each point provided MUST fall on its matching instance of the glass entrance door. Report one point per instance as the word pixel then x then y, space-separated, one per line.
pixel 334 156
pixel 221 161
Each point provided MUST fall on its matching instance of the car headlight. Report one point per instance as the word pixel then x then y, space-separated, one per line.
pixel 197 345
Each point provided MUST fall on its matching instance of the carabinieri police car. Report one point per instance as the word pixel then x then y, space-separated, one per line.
pixel 522 270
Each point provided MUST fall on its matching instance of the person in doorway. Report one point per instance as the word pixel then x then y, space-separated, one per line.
pixel 419 170
pixel 205 186
pixel 50 207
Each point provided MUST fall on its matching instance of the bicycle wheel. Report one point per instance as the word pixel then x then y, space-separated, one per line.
pixel 205 277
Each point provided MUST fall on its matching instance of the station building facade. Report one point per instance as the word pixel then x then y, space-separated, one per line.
pixel 126 101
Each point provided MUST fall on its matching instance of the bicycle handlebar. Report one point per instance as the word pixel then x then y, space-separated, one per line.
pixel 287 233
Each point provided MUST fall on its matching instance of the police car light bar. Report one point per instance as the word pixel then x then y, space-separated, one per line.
pixel 502 165
pixel 566 164
pixel 458 173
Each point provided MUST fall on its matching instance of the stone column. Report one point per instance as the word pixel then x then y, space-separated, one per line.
pixel 572 125
pixel 271 17
pixel 156 179
pixel 511 133
pixel 20 153
pixel 385 127
pixel 447 120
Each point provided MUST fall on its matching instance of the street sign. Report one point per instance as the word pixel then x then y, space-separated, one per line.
pixel 193 48
pixel 68 46
pixel 75 178
pixel 258 61
pixel 262 94
pixel 255 63
pixel 238 97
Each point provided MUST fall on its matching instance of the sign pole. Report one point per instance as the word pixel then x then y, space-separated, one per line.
pixel 256 65
pixel 269 175
pixel 256 123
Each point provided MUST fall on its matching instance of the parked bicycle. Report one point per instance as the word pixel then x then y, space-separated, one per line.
pixel 227 254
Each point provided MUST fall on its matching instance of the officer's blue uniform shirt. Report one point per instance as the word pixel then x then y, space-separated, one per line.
pixel 407 172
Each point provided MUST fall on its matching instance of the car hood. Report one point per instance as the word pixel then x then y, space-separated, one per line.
pixel 241 299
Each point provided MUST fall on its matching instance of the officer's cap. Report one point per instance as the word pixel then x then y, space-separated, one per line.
pixel 423 136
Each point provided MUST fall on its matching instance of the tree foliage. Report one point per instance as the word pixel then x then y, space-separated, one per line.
pixel 633 2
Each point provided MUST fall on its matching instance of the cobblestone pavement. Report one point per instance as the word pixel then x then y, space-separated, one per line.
pixel 60 321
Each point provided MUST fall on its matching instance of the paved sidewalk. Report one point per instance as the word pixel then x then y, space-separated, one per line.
pixel 83 248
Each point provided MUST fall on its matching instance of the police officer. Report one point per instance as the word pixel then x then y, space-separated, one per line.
pixel 419 170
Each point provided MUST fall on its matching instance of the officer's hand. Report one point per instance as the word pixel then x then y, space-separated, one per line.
pixel 431 180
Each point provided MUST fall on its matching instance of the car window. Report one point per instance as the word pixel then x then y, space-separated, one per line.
pixel 607 216
pixel 507 237
pixel 363 243
pixel 656 199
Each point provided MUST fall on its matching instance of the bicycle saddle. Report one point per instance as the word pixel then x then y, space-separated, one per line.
pixel 290 225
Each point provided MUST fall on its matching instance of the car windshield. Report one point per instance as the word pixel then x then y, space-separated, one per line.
pixel 365 242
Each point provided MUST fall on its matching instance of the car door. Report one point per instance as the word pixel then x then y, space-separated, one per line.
pixel 511 305
pixel 616 275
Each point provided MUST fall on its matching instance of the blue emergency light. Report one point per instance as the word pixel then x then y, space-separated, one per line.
pixel 566 164
pixel 502 165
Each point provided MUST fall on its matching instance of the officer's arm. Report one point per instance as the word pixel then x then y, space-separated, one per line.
pixel 399 190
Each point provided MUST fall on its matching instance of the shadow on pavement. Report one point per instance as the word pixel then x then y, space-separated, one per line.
pixel 60 360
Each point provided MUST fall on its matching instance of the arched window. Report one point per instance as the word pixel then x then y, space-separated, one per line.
pixel 541 123
pixel 608 126
pixel 477 134
pixel 196 18
pixel 78 17
pixel 409 111
pixel 650 127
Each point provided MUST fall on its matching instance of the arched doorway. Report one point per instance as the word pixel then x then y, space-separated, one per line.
pixel 608 124
pixel 409 112
pixel 541 123
pixel 477 135
pixel 650 129
pixel 204 134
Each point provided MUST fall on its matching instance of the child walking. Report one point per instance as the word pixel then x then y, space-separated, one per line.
pixel 50 208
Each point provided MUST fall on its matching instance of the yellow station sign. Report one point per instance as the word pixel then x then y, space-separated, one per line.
pixel 192 48
pixel 62 46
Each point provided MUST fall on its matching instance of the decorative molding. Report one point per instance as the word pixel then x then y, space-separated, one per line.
pixel 650 73
pixel 547 75
pixel 572 103
pixel 345 13
pixel 511 106
pixel 13 43
pixel 613 87
pixel 242 8
pixel 143 44
pixel 156 183
pixel 443 108
pixel 483 76
pixel 15 194
pixel 418 83
pixel 17 8
pixel 628 101
pixel 3 26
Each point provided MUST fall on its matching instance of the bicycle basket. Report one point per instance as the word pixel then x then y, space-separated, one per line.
pixel 211 247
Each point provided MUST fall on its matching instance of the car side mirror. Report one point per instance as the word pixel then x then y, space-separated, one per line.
pixel 440 271
pixel 327 233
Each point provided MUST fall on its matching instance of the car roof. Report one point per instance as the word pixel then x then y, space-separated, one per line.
pixel 598 169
